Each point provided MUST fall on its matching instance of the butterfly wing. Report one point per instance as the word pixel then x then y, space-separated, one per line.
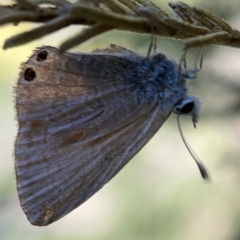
pixel 79 124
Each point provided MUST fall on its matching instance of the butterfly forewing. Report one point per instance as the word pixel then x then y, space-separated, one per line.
pixel 81 119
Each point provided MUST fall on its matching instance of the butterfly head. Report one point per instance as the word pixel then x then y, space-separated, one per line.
pixel 188 105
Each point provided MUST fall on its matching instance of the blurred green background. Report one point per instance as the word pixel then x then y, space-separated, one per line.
pixel 159 194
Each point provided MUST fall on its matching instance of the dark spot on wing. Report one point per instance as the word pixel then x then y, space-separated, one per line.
pixel 72 139
pixel 29 74
pixel 41 56
pixel 37 124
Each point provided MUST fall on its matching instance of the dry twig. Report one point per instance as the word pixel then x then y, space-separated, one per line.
pixel 197 26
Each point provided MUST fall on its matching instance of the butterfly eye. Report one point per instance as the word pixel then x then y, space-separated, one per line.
pixel 41 56
pixel 188 105
pixel 186 108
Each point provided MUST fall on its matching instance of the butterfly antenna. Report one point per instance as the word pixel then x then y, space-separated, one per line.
pixel 201 167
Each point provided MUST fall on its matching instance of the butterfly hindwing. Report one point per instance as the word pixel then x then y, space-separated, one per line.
pixel 80 121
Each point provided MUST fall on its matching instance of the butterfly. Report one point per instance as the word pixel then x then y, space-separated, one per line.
pixel 83 116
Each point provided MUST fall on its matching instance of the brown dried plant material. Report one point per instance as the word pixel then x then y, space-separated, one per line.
pixel 197 26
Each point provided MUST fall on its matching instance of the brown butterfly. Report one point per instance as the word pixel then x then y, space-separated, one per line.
pixel 82 117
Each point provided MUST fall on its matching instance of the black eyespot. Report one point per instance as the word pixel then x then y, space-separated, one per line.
pixel 29 74
pixel 187 108
pixel 42 56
